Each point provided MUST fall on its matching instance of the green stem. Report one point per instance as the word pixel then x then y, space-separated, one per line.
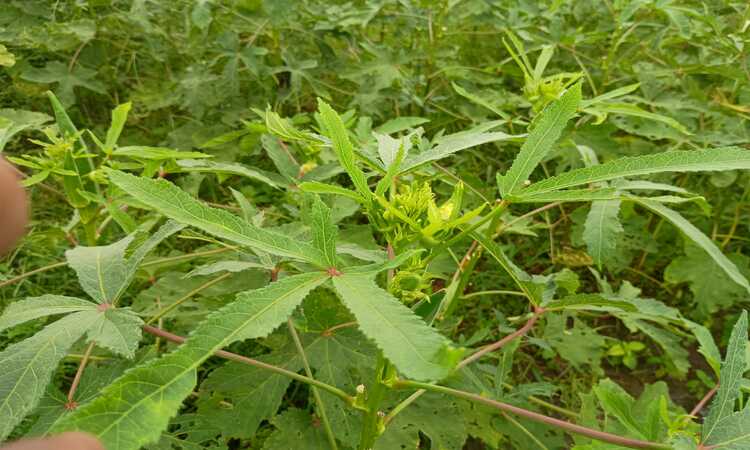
pixel 316 393
pixel 372 423
pixel 534 416
pixel 166 310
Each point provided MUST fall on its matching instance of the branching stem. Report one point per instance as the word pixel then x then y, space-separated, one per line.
pixel 316 394
pixel 534 416
pixel 71 404
pixel 348 399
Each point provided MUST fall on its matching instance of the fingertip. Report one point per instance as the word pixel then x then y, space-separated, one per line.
pixel 75 440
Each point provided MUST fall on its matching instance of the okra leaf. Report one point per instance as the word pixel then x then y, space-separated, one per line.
pixel 602 230
pixel 26 367
pixel 698 237
pixel 416 349
pixel 343 147
pixel 35 307
pixel 721 423
pixel 547 131
pixel 177 204
pixel 725 158
pixel 136 408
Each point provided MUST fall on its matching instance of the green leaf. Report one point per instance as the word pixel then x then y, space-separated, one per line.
pixel 27 366
pixel 521 278
pixel 255 394
pixel 400 124
pixel 725 158
pixel 438 417
pixel 135 409
pixel 7 59
pixel 104 272
pixel 281 156
pixel 602 230
pixel 572 195
pixel 546 132
pixel 698 237
pixel 177 204
pixel 156 153
pixel 478 100
pixel 296 429
pixel 324 230
pixel 732 432
pixel 451 144
pixel 590 302
pixel 730 380
pixel 190 165
pixel 35 307
pixel 13 121
pixel 417 350
pixel 81 166
pixel 336 130
pixel 118 330
pixel 618 403
pixel 710 285
pixel 323 188
pixel 119 116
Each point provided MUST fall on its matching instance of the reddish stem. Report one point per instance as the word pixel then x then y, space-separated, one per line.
pixel 536 417
pixel 77 379
pixel 706 398
pixel 497 345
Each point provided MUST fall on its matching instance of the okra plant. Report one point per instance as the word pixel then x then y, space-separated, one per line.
pixel 352 320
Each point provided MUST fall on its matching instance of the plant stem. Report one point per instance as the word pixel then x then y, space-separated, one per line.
pixel 166 310
pixel 534 416
pixel 493 292
pixel 495 346
pixel 77 378
pixel 316 393
pixel 348 399
pixel 371 420
pixel 490 348
pixel 32 272
pixel 698 407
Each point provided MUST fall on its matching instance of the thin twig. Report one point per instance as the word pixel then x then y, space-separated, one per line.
pixel 32 272
pixel 706 398
pixel 316 393
pixel 348 399
pixel 534 416
pixel 497 345
pixel 483 351
pixel 71 404
pixel 166 310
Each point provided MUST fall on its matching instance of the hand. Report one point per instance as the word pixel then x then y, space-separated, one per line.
pixel 65 441
pixel 13 207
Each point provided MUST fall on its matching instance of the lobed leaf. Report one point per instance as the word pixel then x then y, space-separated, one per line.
pixel 136 408
pixel 26 367
pixel 35 307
